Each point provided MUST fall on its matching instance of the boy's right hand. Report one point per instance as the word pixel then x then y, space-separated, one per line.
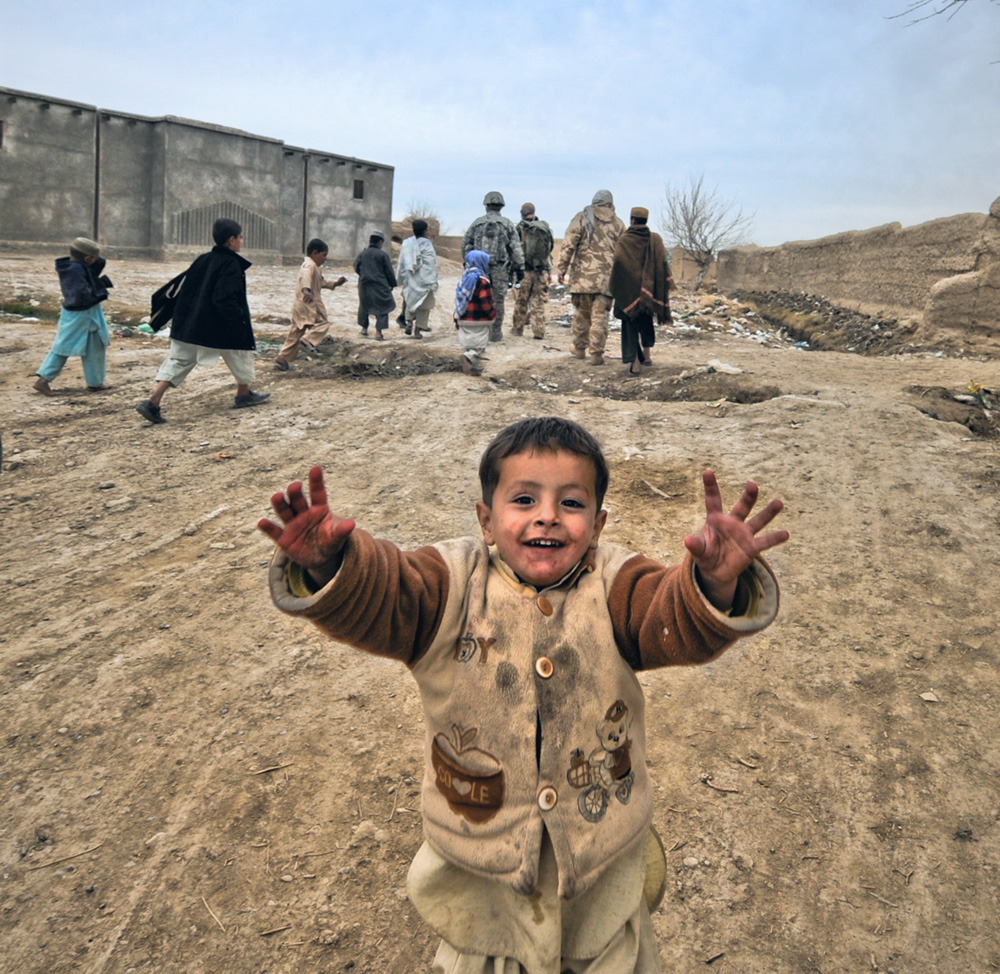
pixel 311 535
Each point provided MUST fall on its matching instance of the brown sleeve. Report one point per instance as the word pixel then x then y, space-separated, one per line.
pixel 660 617
pixel 382 600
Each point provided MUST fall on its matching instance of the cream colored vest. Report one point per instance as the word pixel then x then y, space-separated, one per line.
pixel 533 721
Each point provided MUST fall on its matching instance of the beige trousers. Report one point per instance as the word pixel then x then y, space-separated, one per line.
pixel 529 303
pixel 590 321
pixel 311 325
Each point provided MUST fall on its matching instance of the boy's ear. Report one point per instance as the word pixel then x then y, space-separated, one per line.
pixel 599 522
pixel 485 514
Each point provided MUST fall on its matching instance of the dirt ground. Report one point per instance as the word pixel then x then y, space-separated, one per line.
pixel 195 783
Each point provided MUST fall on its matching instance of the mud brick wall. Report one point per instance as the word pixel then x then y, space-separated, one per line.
pixel 944 273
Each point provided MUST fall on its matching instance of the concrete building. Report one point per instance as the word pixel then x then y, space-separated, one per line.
pixel 152 187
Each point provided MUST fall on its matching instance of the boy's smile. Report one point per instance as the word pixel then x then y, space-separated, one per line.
pixel 544 515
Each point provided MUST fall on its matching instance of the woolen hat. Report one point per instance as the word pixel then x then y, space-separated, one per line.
pixel 640 211
pixel 377 233
pixel 602 196
pixel 86 246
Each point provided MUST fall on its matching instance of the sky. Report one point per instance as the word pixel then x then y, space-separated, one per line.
pixel 815 116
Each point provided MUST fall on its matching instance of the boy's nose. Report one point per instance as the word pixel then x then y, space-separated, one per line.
pixel 547 514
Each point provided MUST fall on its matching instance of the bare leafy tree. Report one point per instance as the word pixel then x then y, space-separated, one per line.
pixel 421 209
pixel 918 10
pixel 702 222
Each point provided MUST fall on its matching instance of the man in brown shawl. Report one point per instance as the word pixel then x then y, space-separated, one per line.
pixel 640 285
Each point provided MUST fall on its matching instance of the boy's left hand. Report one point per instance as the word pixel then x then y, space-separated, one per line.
pixel 728 543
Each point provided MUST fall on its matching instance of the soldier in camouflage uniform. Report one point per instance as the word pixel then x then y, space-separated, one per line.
pixel 499 238
pixel 586 256
pixel 533 291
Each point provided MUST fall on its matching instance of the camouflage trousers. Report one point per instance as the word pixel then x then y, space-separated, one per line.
pixel 499 282
pixel 590 322
pixel 529 303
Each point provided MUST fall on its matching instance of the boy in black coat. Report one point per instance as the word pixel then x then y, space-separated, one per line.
pixel 211 320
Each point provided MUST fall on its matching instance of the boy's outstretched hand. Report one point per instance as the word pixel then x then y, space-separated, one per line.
pixel 727 543
pixel 312 535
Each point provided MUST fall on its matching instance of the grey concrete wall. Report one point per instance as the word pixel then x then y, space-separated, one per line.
pixel 944 271
pixel 127 149
pixel 161 183
pixel 212 172
pixel 294 175
pixel 333 213
pixel 47 168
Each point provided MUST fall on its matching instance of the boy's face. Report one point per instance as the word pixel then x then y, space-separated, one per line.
pixel 235 243
pixel 544 515
pixel 318 257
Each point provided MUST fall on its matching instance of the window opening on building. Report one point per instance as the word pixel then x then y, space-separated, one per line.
pixel 359 189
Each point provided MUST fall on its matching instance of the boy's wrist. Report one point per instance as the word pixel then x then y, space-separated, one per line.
pixel 323 574
pixel 720 595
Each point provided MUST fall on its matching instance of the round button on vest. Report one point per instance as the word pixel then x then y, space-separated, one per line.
pixel 547 799
pixel 543 667
pixel 545 605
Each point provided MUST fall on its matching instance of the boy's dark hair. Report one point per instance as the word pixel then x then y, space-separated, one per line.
pixel 316 246
pixel 223 229
pixel 419 227
pixel 375 240
pixel 542 433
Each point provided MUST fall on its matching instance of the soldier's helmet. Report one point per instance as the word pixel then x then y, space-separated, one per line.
pixel 493 199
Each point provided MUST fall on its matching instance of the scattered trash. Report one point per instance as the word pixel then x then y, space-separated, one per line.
pixel 930 697
pixel 715 365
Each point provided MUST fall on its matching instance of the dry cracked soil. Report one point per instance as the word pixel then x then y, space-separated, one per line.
pixel 192 782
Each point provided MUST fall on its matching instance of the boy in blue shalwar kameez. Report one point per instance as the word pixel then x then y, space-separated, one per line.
pixel 82 329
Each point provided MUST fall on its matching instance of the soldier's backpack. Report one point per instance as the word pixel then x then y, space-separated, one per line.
pixel 537 244
pixel 493 239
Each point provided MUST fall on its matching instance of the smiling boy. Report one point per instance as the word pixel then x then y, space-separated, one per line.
pixel 524 645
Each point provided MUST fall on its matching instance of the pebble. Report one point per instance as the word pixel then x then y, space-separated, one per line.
pixel 107 485
pixel 690 862
pixel 287 878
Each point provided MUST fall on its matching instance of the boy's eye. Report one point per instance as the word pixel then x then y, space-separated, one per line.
pixel 572 502
pixel 523 499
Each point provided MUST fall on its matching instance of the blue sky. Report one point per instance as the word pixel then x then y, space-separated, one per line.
pixel 820 115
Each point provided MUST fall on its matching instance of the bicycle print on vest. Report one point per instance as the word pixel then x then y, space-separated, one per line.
pixel 608 768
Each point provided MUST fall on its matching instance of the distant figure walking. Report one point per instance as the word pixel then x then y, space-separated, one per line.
pixel 82 329
pixel 640 285
pixel 533 291
pixel 475 311
pixel 211 320
pixel 309 319
pixel 417 270
pixel 494 234
pixel 375 283
pixel 585 256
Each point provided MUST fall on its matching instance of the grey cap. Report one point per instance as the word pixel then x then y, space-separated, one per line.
pixel 603 196
pixel 84 245
pixel 377 233
pixel 493 198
